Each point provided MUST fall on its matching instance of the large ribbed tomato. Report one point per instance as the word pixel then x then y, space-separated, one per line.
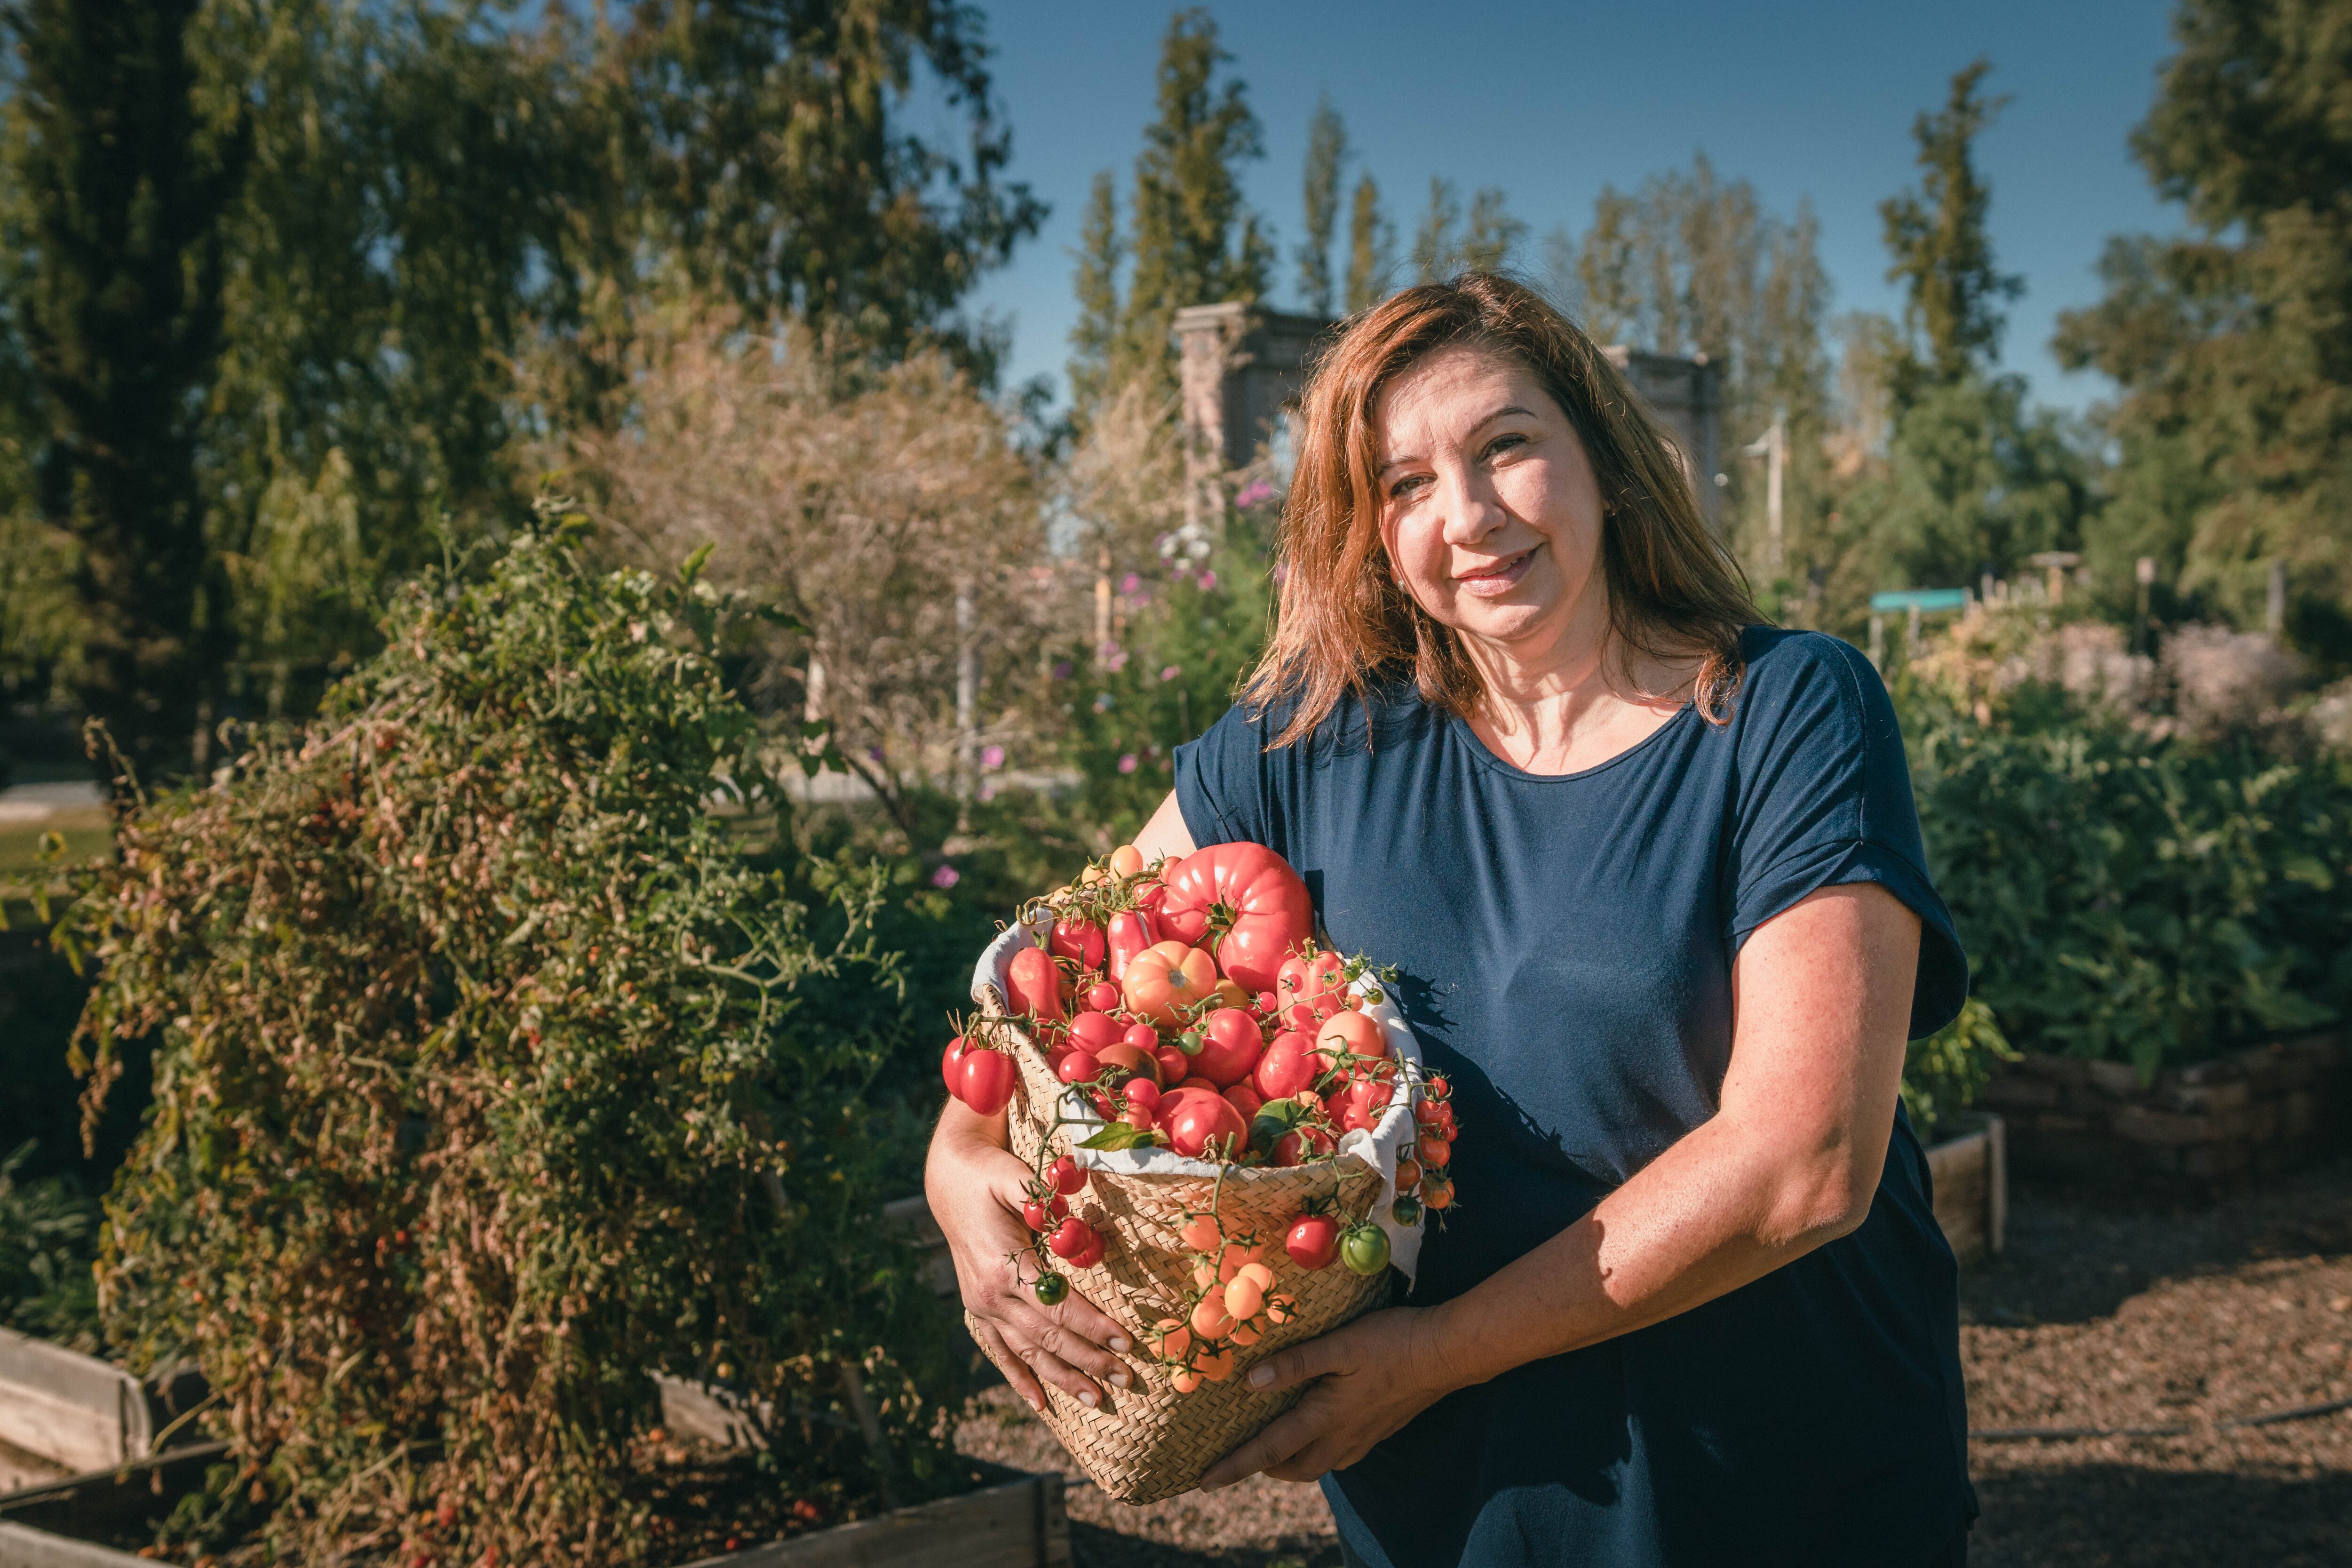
pixel 1245 903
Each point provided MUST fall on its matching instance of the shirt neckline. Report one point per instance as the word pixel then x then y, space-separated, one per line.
pixel 1485 754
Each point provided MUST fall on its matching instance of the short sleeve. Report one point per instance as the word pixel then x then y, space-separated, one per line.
pixel 1824 800
pixel 1222 784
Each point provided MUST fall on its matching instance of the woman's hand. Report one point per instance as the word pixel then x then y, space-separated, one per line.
pixel 1374 1375
pixel 975 1187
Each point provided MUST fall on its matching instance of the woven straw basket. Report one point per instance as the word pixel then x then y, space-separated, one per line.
pixel 1149 1442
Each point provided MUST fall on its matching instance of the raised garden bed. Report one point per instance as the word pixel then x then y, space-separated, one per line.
pixel 2206 1128
pixel 1970 1173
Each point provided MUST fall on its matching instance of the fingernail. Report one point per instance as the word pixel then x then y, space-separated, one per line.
pixel 1090 1399
pixel 1120 1380
pixel 1121 1343
pixel 1260 1377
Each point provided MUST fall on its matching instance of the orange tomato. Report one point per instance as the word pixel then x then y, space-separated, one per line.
pixel 1350 1031
pixel 1167 980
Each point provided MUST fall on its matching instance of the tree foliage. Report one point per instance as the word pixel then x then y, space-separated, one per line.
pixel 1371 247
pixel 495 1077
pixel 2233 349
pixel 1326 153
pixel 1942 254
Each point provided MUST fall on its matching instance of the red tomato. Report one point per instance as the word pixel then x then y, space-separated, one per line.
pixel 1143 1037
pixel 1137 1116
pixel 1194 1119
pixel 1313 1242
pixel 1071 1238
pixel 1428 1112
pixel 1436 1153
pixel 1092 1031
pixel 1300 1145
pixel 1230 1046
pixel 951 1062
pixel 1068 1176
pixel 1246 1101
pixel 1034 984
pixel 1173 1063
pixel 1077 1067
pixel 988 1080
pixel 1102 996
pixel 1141 1094
pixel 1437 1194
pixel 1266 1003
pixel 1130 933
pixel 1361 1103
pixel 1318 980
pixel 1288 1066
pixel 1091 1256
pixel 1128 1060
pixel 1044 1215
pixel 1408 1175
pixel 1246 902
pixel 1081 941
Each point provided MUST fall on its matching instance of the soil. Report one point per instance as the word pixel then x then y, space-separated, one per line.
pixel 2101 1313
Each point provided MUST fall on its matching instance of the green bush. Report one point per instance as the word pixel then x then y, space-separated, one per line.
pixel 48 1233
pixel 493 1076
pixel 2128 898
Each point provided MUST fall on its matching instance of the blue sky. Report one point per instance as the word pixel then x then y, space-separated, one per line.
pixel 1551 103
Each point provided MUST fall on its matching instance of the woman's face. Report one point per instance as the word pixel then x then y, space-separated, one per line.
pixel 1488 507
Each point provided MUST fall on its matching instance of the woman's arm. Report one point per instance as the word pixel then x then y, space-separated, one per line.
pixel 975 1187
pixel 1821 1002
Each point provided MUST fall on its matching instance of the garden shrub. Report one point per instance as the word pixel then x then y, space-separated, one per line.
pixel 493 1076
pixel 2129 896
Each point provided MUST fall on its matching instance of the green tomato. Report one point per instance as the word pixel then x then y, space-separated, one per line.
pixel 1365 1249
pixel 1052 1289
pixel 1405 1211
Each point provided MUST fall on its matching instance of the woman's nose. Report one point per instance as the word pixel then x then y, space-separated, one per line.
pixel 1472 509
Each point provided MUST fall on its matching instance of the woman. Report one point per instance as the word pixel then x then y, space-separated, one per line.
pixel 1654 878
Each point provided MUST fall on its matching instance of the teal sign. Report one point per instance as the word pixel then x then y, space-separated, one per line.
pixel 1921 599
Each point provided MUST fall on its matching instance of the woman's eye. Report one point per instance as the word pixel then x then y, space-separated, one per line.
pixel 1406 486
pixel 1501 444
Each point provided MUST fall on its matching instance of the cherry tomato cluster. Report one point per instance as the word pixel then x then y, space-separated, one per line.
pixel 1318 1239
pixel 1232 1305
pixel 1045 1209
pixel 1424 1179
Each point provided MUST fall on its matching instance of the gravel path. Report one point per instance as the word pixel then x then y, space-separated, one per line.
pixel 2101 1315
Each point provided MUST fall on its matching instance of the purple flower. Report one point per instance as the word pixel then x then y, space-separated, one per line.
pixel 991 756
pixel 1171 672
pixel 1254 494
pixel 1125 765
pixel 1116 661
pixel 1208 579
pixel 946 876
pixel 1130 584
pixel 873 753
pixel 1062 669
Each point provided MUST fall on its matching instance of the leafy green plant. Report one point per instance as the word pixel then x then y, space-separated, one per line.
pixel 48 1238
pixel 1942 1073
pixel 493 1076
pixel 2129 898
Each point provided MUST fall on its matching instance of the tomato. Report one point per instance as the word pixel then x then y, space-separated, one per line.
pixel 1301 1144
pixel 1316 980
pixel 1125 1058
pixel 1131 931
pixel 1045 1214
pixel 1351 1032
pixel 1245 1100
pixel 951 1062
pixel 1246 902
pixel 1138 1117
pixel 1244 1298
pixel 1143 1037
pixel 1052 1289
pixel 1200 1232
pixel 1210 1318
pixel 1184 1382
pixel 1166 980
pixel 1173 1064
pixel 1033 984
pixel 1215 1368
pixel 988 1080
pixel 1428 1112
pixel 1092 1031
pixel 1126 860
pixel 1080 941
pixel 1288 1066
pixel 1196 1119
pixel 1070 1177
pixel 1313 1241
pixel 1102 996
pixel 1230 1046
pixel 1408 1175
pixel 1077 1067
pixel 1266 1003
pixel 1091 1256
pixel 1437 1193
pixel 1070 1238
pixel 1141 1094
pixel 1406 1210
pixel 1364 1249
pixel 1361 1104
pixel 1436 1153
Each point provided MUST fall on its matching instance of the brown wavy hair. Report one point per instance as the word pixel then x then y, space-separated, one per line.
pixel 1344 622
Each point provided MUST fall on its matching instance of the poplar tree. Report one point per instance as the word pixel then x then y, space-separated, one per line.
pixel 1371 247
pixel 1936 235
pixel 1326 151
pixel 119 182
pixel 1492 235
pixel 1432 238
pixel 1094 339
pixel 1195 240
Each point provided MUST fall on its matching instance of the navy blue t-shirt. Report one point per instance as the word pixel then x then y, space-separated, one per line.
pixel 1566 946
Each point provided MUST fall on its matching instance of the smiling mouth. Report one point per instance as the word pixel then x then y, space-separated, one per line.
pixel 1499 578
